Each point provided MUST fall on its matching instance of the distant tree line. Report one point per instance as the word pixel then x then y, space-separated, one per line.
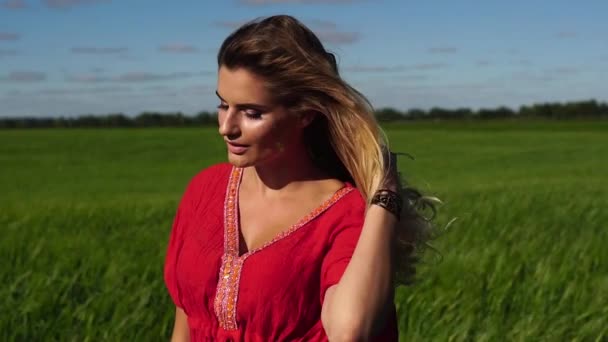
pixel 556 110
pixel 145 119
pixel 560 111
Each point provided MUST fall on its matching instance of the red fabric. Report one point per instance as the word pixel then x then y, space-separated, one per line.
pixel 281 287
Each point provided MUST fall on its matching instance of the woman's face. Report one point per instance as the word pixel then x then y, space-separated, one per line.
pixel 255 130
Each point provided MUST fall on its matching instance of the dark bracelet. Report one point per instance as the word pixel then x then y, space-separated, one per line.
pixel 389 200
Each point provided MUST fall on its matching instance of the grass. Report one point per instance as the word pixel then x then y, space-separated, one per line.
pixel 85 217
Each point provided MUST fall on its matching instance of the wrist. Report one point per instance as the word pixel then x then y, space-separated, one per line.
pixel 390 200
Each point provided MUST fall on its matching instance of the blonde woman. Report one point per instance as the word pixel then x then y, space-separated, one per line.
pixel 294 238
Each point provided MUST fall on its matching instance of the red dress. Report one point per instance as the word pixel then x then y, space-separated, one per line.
pixel 272 293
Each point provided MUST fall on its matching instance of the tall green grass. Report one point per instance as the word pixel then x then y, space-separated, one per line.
pixel 85 216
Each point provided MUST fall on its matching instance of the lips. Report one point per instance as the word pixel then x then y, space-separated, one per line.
pixel 235 144
pixel 236 148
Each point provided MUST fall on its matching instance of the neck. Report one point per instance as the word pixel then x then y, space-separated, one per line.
pixel 285 173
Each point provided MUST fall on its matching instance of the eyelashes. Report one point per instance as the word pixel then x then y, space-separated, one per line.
pixel 252 114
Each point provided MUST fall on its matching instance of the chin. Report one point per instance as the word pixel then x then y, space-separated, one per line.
pixel 240 161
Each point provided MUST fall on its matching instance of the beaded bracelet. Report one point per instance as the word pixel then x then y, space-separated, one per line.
pixel 389 200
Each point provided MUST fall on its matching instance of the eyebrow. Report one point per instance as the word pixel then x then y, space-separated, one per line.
pixel 244 105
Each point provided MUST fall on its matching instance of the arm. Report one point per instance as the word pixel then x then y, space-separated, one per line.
pixel 356 307
pixel 181 333
pixel 353 308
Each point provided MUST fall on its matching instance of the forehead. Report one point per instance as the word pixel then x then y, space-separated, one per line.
pixel 242 86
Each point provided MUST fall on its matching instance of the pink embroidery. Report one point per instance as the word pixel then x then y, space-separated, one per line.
pixel 226 296
pixel 227 287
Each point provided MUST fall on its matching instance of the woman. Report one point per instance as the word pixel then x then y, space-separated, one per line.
pixel 293 239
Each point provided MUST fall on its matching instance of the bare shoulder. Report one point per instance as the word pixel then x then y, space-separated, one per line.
pixel 330 185
pixel 349 202
pixel 323 189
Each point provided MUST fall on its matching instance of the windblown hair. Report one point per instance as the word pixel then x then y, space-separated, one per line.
pixel 344 139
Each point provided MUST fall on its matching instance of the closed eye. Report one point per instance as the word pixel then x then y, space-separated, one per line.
pixel 252 111
pixel 253 114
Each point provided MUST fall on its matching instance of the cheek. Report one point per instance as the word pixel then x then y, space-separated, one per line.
pixel 285 136
pixel 271 137
pixel 260 133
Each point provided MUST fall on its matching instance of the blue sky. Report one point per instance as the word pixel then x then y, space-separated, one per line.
pixel 73 57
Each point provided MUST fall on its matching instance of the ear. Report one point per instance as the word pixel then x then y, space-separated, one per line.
pixel 306 118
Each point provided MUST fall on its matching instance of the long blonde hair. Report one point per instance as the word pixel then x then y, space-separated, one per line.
pixel 345 139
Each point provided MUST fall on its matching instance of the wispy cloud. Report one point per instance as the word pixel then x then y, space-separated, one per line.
pixel 395 68
pixel 566 34
pixel 443 49
pixel 178 48
pixel 199 89
pixel 229 24
pixel 24 76
pixel 461 86
pixel 321 24
pixel 429 66
pixel 87 78
pixel 482 63
pixel 82 91
pixel 9 36
pixel 130 58
pixel 148 76
pixel 99 50
pixel 8 52
pixel 326 31
pixel 535 77
pixel 13 4
pixel 564 70
pixel 134 77
pixel 523 62
pixel 272 2
pixel 414 77
pixel 376 68
pixel 563 73
pixel 65 4
pixel 338 37
pixel 157 88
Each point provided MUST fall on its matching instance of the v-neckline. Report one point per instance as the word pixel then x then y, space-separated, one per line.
pixel 232 234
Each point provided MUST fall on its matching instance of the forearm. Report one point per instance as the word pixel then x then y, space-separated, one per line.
pixel 361 296
pixel 181 332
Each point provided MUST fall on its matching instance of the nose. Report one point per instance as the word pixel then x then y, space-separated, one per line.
pixel 228 123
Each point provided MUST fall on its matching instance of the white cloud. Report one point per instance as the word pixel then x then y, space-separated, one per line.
pixel 65 4
pixel 14 4
pixel 24 76
pixel 9 36
pixel 99 50
pixel 178 48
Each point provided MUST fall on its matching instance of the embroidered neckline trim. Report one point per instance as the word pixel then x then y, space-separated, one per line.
pixel 226 296
pixel 232 223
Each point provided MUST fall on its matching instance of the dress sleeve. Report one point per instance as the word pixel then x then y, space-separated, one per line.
pixel 176 239
pixel 200 187
pixel 342 243
pixel 183 217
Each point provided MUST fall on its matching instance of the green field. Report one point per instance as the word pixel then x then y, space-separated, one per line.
pixel 85 217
